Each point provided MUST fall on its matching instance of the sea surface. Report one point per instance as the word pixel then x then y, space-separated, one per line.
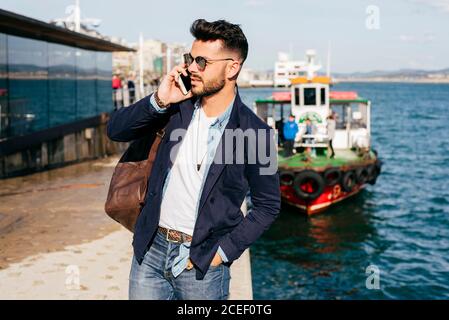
pixel 398 227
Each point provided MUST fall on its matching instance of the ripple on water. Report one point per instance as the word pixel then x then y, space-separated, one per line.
pixel 440 200
pixel 401 224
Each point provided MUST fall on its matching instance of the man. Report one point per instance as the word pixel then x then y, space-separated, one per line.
pixel 191 227
pixel 331 124
pixel 290 131
pixel 116 86
pixel 131 89
pixel 309 129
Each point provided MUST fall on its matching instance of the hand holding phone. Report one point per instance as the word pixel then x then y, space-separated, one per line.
pixel 185 83
pixel 173 88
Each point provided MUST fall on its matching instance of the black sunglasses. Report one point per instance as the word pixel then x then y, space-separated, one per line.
pixel 200 61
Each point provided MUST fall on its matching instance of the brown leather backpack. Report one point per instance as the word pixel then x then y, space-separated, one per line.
pixel 129 182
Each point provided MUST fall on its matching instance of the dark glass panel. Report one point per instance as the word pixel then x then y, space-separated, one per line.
pixel 28 85
pixel 61 84
pixel 104 86
pixel 86 81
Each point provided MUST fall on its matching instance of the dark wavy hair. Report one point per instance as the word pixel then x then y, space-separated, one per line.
pixel 231 35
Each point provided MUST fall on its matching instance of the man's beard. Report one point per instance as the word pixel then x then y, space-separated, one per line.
pixel 209 88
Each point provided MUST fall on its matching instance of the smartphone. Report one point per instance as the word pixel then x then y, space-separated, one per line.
pixel 185 83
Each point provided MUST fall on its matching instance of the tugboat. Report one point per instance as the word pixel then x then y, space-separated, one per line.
pixel 311 179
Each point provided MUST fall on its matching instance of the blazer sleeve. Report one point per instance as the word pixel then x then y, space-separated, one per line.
pixel 263 181
pixel 132 122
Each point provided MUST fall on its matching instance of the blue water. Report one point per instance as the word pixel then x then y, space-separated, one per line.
pixel 400 225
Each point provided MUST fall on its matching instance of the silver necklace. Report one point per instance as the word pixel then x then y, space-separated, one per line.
pixel 198 164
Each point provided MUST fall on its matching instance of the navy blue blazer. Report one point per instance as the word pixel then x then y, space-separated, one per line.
pixel 220 221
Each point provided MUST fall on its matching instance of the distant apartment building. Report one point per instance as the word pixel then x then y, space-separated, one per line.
pixel 157 58
pixel 173 55
pixel 286 69
pixel 125 63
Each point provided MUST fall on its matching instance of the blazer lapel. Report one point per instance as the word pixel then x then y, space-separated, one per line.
pixel 185 115
pixel 218 165
pixel 186 111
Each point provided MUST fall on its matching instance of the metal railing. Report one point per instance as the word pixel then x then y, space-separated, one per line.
pixel 124 97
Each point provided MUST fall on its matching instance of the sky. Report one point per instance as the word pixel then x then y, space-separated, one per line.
pixel 364 35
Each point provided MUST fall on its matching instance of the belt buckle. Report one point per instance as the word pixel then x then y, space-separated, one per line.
pixel 166 236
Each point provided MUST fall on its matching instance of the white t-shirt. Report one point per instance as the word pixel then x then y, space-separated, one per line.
pixel 182 193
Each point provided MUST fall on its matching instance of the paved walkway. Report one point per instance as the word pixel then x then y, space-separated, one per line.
pixel 56 242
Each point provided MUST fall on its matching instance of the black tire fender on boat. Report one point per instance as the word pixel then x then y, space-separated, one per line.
pixel 332 176
pixel 371 168
pixel 348 181
pixel 286 178
pixel 362 175
pixel 375 171
pixel 372 173
pixel 378 166
pixel 317 181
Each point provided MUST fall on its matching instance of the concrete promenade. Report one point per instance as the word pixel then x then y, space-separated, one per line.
pixel 56 242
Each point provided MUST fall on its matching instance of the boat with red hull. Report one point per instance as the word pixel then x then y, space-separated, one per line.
pixel 311 178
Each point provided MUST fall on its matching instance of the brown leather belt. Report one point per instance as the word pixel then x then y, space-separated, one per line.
pixel 175 236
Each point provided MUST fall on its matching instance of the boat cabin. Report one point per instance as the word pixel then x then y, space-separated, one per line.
pixel 311 99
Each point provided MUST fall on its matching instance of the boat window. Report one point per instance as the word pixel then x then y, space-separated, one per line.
pixel 309 96
pixel 297 101
pixel 358 116
pixel 340 119
pixel 323 96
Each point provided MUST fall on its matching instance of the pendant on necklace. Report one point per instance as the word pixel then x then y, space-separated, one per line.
pixel 198 166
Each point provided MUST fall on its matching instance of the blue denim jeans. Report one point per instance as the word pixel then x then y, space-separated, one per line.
pixel 153 279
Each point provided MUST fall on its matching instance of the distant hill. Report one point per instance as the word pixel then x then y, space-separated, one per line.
pixel 401 74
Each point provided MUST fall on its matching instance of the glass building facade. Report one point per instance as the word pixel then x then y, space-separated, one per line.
pixel 44 84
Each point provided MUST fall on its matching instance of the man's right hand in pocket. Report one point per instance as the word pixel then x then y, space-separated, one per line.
pixel 169 91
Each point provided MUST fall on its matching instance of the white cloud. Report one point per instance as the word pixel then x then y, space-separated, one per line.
pixel 439 4
pixel 425 38
pixel 429 37
pixel 414 64
pixel 255 3
pixel 406 38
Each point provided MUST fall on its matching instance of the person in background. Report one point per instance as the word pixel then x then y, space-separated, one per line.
pixel 331 132
pixel 290 131
pixel 116 85
pixel 310 129
pixel 279 127
pixel 116 82
pixel 131 89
